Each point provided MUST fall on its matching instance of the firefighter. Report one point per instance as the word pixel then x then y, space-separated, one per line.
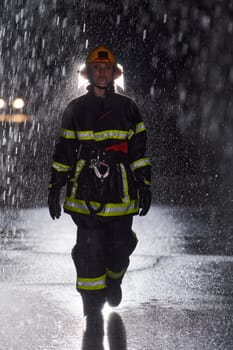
pixel 100 157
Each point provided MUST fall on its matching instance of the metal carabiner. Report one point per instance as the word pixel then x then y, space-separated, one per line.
pixel 96 164
pixel 97 170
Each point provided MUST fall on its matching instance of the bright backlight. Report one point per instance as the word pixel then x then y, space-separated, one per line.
pixel 82 82
pixel 120 81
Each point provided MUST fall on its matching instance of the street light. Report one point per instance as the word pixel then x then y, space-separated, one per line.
pixel 2 103
pixel 18 103
pixel 17 115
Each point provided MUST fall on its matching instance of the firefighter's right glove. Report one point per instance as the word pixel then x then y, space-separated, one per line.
pixel 144 199
pixel 54 204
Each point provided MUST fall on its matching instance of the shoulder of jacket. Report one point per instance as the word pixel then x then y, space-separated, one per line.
pixel 76 102
pixel 124 98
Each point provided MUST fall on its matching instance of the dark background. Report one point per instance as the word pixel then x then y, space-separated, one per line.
pixel 178 65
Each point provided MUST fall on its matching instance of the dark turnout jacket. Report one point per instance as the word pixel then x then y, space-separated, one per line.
pixel 101 155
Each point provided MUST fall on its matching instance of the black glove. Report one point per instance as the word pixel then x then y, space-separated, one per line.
pixel 54 204
pixel 144 199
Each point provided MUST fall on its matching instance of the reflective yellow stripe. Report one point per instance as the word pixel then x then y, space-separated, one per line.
pixel 140 163
pixel 67 134
pixel 115 275
pixel 111 134
pixel 140 127
pixel 85 135
pixel 130 134
pixel 79 166
pixel 126 198
pixel 146 182
pixel 61 167
pixel 92 283
pixel 102 135
pixel 109 209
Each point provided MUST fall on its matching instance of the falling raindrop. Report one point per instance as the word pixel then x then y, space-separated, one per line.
pixel 152 91
pixel 118 19
pixel 144 34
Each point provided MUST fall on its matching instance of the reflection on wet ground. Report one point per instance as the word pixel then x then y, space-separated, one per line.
pixel 177 293
pixel 200 230
pixel 116 332
pixel 210 231
pixel 93 334
pixel 166 329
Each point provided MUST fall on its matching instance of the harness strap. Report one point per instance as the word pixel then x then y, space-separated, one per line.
pixel 93 210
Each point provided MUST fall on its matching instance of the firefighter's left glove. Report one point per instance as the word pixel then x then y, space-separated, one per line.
pixel 54 204
pixel 144 193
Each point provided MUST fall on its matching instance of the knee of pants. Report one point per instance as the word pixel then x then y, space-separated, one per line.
pixel 132 242
pixel 124 248
pixel 118 258
pixel 88 259
pixel 120 251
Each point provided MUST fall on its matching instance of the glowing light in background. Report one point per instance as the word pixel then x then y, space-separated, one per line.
pixel 2 103
pixel 18 103
pixel 14 118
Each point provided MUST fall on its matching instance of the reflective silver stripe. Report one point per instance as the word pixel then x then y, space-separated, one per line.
pixel 102 135
pixel 111 134
pixel 140 127
pixel 140 163
pixel 92 283
pixel 85 135
pixel 126 198
pixel 79 166
pixel 115 275
pixel 67 134
pixel 61 167
pixel 110 209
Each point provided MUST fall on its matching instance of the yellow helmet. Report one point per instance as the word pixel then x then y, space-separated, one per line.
pixel 101 54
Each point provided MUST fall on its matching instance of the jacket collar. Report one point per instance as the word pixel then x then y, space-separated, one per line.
pixel 109 91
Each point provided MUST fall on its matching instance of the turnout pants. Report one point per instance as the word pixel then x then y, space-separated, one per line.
pixel 101 254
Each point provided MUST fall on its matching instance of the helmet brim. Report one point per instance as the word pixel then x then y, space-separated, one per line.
pixel 84 72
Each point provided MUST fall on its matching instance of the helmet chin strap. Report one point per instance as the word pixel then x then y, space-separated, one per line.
pixel 101 87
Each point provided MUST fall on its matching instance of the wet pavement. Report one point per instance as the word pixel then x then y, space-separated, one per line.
pixel 177 292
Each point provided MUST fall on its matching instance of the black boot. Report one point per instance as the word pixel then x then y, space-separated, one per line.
pixel 113 292
pixel 93 302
